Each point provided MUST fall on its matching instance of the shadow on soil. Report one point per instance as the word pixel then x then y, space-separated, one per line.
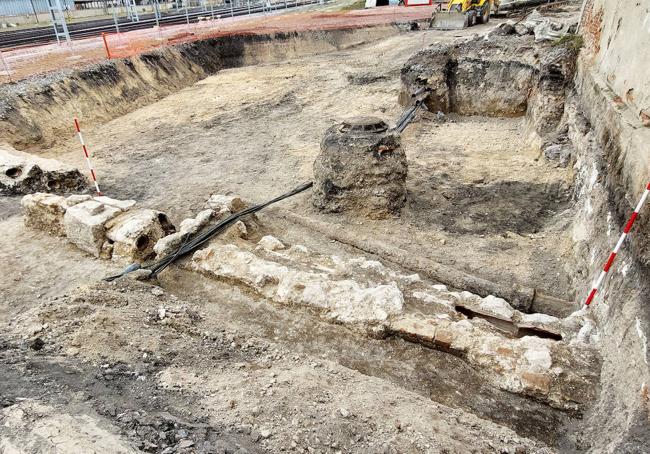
pixel 483 208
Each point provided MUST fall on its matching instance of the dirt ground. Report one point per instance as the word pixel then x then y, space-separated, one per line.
pixel 460 168
pixel 225 371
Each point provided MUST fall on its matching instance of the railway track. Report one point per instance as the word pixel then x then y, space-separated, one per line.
pixel 88 29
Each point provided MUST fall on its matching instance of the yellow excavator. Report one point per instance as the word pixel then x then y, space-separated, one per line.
pixel 464 13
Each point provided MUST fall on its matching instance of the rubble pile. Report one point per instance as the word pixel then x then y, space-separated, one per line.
pixel 544 28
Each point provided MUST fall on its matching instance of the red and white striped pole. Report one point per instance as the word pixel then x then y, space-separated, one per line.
pixel 90 164
pixel 612 256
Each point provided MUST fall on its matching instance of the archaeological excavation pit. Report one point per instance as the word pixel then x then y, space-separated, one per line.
pixel 445 200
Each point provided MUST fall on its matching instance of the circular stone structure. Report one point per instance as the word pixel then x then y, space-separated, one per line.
pixel 360 168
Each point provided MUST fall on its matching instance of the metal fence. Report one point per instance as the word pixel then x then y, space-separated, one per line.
pixel 24 7
pixel 27 7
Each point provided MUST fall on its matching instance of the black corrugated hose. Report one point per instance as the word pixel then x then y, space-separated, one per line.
pixel 201 238
pixel 409 114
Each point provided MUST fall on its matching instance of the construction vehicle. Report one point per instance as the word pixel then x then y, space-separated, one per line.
pixel 464 13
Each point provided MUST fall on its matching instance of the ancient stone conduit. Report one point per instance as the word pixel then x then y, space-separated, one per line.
pixel 550 360
pixel 22 173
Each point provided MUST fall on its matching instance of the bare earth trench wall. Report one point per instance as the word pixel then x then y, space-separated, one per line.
pixel 33 113
pixel 613 168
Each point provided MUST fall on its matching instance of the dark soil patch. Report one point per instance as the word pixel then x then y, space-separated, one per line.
pixel 483 208
pixel 154 420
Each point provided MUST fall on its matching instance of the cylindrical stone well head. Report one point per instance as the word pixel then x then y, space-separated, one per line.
pixel 362 168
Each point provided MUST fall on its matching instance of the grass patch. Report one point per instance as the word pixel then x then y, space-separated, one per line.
pixel 571 41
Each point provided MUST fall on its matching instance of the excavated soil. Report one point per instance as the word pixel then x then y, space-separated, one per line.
pixel 287 107
pixel 226 371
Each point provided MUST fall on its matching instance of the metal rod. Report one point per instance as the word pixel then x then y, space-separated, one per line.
pixel 63 23
pixel 117 26
pixel 156 12
pixel 34 9
pixel 4 63
pixel 108 51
